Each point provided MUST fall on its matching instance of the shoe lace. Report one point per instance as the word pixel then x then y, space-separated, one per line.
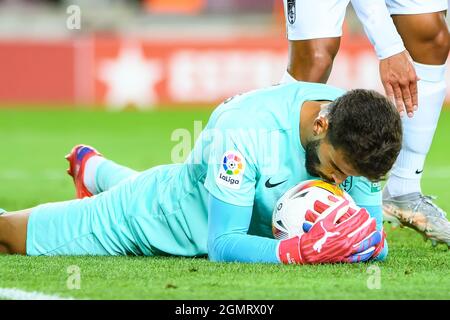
pixel 428 200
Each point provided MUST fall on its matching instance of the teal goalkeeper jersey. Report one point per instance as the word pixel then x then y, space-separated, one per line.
pixel 249 154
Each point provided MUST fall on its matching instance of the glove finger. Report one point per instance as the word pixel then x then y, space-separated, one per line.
pixel 340 245
pixel 331 215
pixel 381 244
pixel 347 215
pixel 356 223
pixel 307 226
pixel 311 216
pixel 361 257
pixel 354 217
pixel 351 235
pixel 362 232
pixel 320 207
pixel 333 198
pixel 371 241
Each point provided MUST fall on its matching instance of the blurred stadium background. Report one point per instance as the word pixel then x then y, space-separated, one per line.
pixel 154 53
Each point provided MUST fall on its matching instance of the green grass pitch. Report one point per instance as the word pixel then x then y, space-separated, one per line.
pixel 32 171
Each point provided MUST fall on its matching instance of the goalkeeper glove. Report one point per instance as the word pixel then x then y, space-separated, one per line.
pixel 341 233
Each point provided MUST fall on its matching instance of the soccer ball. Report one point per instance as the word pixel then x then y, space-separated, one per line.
pixel 289 213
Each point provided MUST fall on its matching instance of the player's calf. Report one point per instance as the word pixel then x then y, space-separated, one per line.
pixel 3 226
pixel 13 232
pixel 312 60
pixel 3 248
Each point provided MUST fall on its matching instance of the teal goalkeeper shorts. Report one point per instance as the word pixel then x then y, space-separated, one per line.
pixel 128 219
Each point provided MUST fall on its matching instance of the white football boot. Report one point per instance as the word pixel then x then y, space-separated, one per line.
pixel 418 212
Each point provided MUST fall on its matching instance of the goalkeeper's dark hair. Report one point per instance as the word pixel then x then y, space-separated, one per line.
pixel 366 127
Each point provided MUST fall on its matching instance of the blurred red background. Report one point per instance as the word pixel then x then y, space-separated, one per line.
pixel 157 53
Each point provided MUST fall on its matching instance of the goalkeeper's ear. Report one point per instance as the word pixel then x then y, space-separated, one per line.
pixel 320 126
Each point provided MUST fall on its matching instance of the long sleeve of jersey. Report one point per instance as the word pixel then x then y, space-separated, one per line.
pixel 228 239
pixel 379 27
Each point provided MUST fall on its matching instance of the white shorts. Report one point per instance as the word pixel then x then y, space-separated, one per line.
pixel 416 6
pixel 312 19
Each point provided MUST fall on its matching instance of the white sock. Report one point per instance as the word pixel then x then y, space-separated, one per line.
pixel 90 173
pixel 287 78
pixel 418 131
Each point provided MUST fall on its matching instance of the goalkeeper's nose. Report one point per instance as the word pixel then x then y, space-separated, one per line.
pixel 338 178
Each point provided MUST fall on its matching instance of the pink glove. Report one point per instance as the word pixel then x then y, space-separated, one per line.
pixel 338 234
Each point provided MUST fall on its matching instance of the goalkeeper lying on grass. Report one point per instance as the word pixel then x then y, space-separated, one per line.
pixel 220 200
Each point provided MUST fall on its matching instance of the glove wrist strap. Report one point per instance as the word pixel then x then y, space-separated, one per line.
pixel 289 251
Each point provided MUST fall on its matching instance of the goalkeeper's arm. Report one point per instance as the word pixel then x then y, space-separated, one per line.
pixel 228 239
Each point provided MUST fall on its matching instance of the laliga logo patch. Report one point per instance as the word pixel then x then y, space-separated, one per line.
pixel 232 170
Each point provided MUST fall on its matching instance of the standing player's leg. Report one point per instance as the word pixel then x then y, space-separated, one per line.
pixel 92 173
pixel 313 30
pixel 426 37
pixel 311 60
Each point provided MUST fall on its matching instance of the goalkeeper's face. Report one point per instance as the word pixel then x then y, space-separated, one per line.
pixel 324 161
